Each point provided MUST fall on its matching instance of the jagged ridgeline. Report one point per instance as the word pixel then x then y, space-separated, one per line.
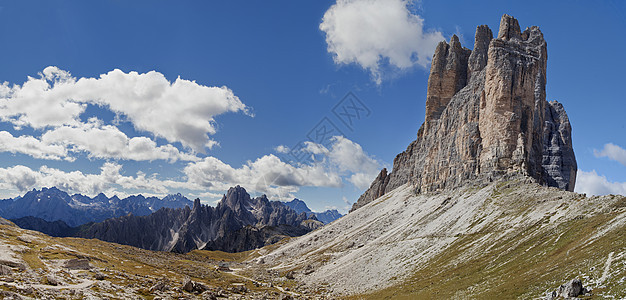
pixel 237 223
pixel 486 117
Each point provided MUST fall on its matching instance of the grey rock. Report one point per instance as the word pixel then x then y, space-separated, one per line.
pixel 222 227
pixel 209 295
pixel 99 276
pixel 5 271
pixel 486 118
pixel 509 28
pixel 77 264
pixel 51 280
pixel 478 58
pixel 199 287
pixel 239 288
pixel 187 285
pixel 252 237
pixel 13 264
pixel 289 275
pixel 550 295
pixel 161 286
pixel 9 295
pixel 376 189
pixel 572 288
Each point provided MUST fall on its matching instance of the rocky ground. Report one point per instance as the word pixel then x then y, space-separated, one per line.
pixel 36 266
pixel 508 239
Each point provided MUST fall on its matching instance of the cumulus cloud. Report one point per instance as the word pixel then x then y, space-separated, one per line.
pixel 372 33
pixel 348 157
pixel 612 152
pixel 267 174
pixel 32 146
pixel 591 183
pixel 109 180
pixel 281 149
pixel 106 141
pixel 180 111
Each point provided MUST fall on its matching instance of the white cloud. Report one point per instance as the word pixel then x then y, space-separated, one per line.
pixel 373 32
pixel 205 177
pixel 591 183
pixel 180 111
pixel 281 149
pixel 19 177
pixel 32 146
pixel 109 180
pixel 267 174
pixel 347 157
pixel 106 141
pixel 315 148
pixel 350 157
pixel 613 152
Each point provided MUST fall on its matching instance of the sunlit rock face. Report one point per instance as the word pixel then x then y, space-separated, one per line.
pixel 486 117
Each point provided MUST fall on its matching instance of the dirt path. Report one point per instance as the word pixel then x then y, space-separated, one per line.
pixel 83 285
pixel 607 267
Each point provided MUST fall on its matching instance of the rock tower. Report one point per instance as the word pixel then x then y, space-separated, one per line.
pixel 486 117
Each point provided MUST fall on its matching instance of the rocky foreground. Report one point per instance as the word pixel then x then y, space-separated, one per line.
pixel 36 266
pixel 508 239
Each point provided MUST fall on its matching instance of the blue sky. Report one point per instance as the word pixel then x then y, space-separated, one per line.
pixel 223 91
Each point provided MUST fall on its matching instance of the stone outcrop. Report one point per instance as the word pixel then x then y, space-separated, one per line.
pixel 571 289
pixel 486 117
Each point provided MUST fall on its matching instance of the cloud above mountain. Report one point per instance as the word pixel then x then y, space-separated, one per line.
pixel 209 176
pixel 612 152
pixel 378 33
pixel 52 120
pixel 591 183
pixel 180 111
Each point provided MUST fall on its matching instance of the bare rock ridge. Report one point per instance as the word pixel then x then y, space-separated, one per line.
pixel 185 229
pixel 486 117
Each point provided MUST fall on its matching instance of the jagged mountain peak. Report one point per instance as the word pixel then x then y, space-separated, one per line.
pixel 236 198
pixel 298 205
pixel 487 118
pixel 197 204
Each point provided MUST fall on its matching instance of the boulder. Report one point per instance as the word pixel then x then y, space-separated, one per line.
pixel 572 288
pixel 187 285
pixel 77 264
pixel 5 271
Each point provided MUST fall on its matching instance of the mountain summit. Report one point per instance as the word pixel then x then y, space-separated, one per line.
pixel 486 117
pixel 479 206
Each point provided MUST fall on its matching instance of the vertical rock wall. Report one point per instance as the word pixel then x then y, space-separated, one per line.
pixel 486 117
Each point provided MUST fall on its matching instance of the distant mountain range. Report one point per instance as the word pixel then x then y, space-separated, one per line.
pixel 52 204
pixel 237 223
pixel 325 217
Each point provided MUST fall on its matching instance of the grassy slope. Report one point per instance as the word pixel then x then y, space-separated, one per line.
pixel 525 263
pixel 124 265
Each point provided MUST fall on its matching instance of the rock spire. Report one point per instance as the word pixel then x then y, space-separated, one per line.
pixel 486 117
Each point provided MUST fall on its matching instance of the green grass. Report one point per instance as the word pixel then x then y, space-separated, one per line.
pixel 522 265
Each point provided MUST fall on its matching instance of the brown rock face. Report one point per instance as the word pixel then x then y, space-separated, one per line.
pixel 448 74
pixel 486 117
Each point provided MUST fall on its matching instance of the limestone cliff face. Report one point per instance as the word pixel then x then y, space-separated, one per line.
pixel 486 117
